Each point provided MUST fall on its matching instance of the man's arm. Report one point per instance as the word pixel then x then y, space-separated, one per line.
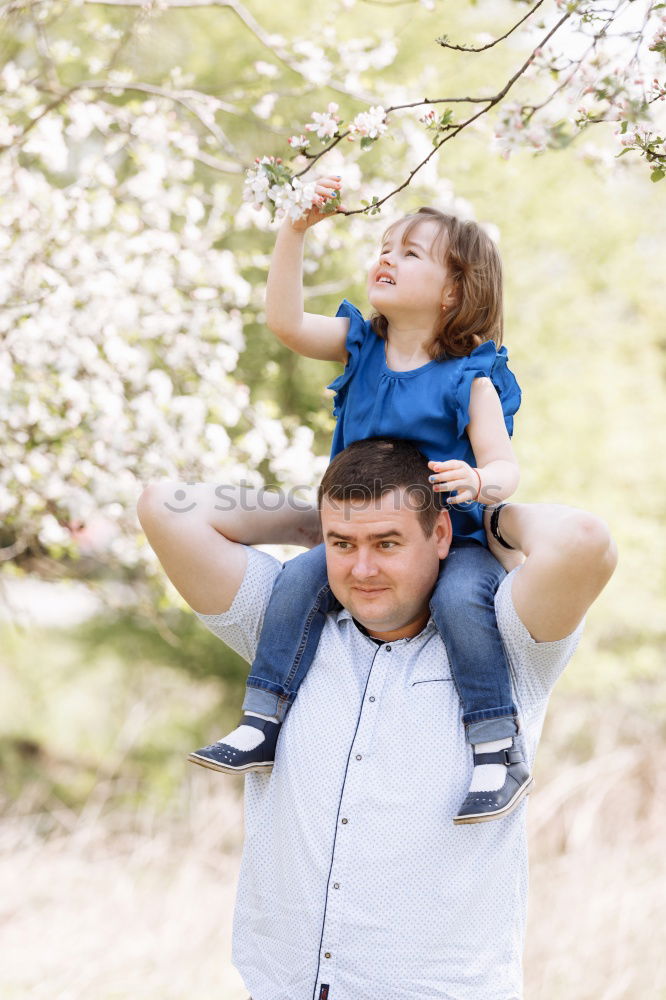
pixel 198 532
pixel 569 558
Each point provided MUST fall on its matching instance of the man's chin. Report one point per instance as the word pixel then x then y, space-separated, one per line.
pixel 374 615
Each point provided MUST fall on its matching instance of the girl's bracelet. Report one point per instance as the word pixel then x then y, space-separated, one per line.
pixel 478 492
pixel 494 527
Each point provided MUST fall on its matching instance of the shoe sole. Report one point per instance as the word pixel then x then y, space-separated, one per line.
pixel 508 808
pixel 225 768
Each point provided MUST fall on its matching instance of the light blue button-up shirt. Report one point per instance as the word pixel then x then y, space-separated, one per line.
pixel 354 882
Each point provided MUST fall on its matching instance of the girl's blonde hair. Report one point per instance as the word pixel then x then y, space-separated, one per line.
pixel 475 268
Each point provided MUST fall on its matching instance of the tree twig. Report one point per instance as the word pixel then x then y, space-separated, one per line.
pixel 244 16
pixel 483 48
pixel 456 130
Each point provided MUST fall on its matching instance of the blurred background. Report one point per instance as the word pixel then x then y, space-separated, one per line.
pixel 133 348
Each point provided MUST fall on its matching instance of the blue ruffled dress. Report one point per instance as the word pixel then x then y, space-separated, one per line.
pixel 429 405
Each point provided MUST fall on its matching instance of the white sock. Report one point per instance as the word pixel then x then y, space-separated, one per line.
pixel 489 777
pixel 247 737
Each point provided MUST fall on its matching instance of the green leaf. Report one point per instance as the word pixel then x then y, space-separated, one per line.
pixel 367 142
pixel 658 174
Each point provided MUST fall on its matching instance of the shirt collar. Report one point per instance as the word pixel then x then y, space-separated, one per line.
pixel 345 616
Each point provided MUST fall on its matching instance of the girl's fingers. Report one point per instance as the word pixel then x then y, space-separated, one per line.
pixel 450 479
pixel 458 484
pixel 444 477
pixel 464 497
pixel 329 183
pixel 453 463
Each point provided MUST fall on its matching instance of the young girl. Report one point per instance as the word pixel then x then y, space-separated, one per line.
pixel 428 366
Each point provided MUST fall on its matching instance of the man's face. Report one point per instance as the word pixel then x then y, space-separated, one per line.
pixel 381 567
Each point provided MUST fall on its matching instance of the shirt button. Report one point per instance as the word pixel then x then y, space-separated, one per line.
pixel 327 954
pixel 345 821
pixel 336 885
pixel 359 757
pixel 371 698
pixel 388 649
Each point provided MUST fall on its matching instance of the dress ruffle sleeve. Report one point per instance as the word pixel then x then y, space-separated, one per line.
pixel 358 329
pixel 487 362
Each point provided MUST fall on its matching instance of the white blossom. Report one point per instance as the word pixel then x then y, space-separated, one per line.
pixel 370 123
pixel 298 142
pixel 324 123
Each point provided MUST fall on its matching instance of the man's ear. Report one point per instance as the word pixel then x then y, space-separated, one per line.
pixel 443 533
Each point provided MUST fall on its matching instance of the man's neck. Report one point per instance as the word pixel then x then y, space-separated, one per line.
pixel 407 631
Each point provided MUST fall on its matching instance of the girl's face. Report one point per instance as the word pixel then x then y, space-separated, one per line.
pixel 409 282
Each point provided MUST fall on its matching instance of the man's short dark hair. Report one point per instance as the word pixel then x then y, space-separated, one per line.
pixel 368 470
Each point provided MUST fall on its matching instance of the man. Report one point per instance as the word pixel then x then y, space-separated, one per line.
pixel 354 882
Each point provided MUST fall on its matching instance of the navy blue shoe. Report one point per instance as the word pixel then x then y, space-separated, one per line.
pixel 223 757
pixel 480 807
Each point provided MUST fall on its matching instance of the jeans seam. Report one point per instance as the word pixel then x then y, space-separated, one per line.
pixel 306 632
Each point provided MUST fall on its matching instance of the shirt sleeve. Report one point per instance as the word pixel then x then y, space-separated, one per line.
pixel 241 625
pixel 487 362
pixel 535 666
pixel 358 330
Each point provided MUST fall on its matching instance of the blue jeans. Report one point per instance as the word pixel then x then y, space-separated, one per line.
pixel 462 607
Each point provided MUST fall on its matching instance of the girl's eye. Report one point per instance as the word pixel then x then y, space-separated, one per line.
pixel 412 253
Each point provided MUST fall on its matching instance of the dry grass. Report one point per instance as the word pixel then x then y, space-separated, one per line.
pixel 112 907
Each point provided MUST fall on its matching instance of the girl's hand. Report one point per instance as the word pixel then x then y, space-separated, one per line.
pixel 327 203
pixel 458 476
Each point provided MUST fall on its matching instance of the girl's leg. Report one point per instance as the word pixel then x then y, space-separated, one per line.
pixel 293 624
pixel 290 634
pixel 463 609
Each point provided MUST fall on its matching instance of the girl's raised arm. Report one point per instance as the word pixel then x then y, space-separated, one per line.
pixel 309 334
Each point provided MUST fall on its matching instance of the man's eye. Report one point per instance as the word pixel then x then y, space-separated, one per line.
pixel 387 545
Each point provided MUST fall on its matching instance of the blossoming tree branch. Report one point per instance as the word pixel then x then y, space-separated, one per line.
pixel 586 89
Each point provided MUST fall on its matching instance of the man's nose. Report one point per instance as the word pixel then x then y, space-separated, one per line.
pixel 364 565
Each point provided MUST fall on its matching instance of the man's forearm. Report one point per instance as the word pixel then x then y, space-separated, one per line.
pixel 570 556
pixel 547 527
pixel 249 516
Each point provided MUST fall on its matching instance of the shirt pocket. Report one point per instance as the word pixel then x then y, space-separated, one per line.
pixel 423 675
